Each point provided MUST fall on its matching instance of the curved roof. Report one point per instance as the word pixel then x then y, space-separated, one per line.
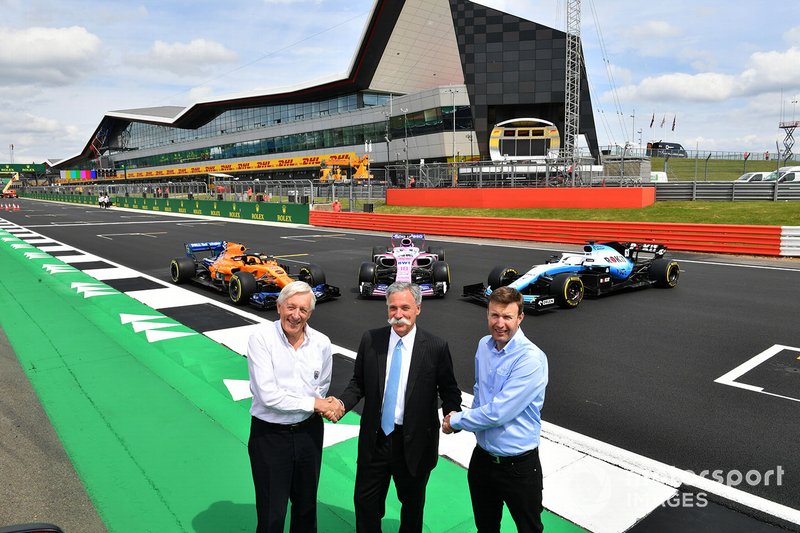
pixel 406 46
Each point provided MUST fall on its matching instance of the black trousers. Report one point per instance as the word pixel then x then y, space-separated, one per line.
pixel 286 462
pixel 516 482
pixel 372 485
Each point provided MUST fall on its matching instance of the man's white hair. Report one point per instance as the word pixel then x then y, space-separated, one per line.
pixel 297 287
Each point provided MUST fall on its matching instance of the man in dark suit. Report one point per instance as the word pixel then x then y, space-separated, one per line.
pixel 401 372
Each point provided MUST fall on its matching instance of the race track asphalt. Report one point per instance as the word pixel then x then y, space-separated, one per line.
pixel 635 370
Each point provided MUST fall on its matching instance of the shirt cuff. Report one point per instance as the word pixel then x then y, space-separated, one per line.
pixel 308 404
pixel 455 418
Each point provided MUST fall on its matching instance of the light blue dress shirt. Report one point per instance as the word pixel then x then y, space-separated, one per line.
pixel 508 396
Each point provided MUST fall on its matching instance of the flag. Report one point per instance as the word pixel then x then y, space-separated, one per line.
pixel 652 119
pixel 673 122
pixel 663 120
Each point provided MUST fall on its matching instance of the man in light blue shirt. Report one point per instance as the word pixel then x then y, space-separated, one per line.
pixel 510 380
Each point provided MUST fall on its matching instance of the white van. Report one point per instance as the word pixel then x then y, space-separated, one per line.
pixel 752 177
pixel 785 175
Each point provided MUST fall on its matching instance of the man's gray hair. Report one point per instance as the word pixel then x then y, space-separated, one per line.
pixel 297 287
pixel 400 286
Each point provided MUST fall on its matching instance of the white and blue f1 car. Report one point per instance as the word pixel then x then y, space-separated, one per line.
pixel 408 259
pixel 601 269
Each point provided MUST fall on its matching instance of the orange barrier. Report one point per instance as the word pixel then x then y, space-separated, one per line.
pixel 551 197
pixel 724 238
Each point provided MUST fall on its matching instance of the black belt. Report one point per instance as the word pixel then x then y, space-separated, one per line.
pixel 507 459
pixel 287 427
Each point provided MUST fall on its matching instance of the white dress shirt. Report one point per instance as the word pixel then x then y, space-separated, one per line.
pixel 284 381
pixel 408 345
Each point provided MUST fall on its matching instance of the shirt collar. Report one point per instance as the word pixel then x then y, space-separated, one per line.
pixel 408 340
pixel 490 344
pixel 285 339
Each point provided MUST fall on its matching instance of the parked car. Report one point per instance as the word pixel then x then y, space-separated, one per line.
pixel 247 277
pixel 752 177
pixel 785 175
pixel 602 268
pixel 407 259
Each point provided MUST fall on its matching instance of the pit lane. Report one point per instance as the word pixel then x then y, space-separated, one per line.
pixel 636 370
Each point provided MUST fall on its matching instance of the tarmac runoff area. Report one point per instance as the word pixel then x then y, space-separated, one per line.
pixel 598 487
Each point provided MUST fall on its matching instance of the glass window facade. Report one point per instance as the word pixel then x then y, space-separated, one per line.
pixel 139 136
pixel 424 122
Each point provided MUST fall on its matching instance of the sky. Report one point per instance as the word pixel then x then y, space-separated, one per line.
pixel 725 72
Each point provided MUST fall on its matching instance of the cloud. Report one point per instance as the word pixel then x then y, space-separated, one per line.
pixel 51 56
pixel 792 36
pixel 765 72
pixel 195 58
pixel 654 29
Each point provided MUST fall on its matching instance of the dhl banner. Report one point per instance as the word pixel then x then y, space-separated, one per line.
pixel 246 166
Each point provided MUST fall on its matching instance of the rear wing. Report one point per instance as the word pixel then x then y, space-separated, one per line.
pixel 214 247
pixel 632 249
pixel 417 238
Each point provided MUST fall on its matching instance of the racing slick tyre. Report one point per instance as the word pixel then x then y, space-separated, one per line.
pixel 438 252
pixel 567 289
pixel 241 287
pixel 182 269
pixel 664 273
pixel 440 272
pixel 312 274
pixel 501 276
pixel 366 274
pixel 378 250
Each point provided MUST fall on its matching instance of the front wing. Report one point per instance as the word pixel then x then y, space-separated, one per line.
pixel 268 300
pixel 479 292
pixel 427 289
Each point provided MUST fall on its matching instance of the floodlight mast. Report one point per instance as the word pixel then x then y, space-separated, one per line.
pixel 572 89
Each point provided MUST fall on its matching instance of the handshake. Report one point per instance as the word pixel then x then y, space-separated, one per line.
pixel 330 407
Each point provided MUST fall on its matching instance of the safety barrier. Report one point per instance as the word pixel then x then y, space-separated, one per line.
pixel 553 197
pixel 724 238
pixel 790 241
pixel 277 212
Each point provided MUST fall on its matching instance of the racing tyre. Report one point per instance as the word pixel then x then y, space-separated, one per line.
pixel 312 274
pixel 664 273
pixel 241 287
pixel 439 252
pixel 440 271
pixel 366 274
pixel 378 250
pixel 567 289
pixel 182 269
pixel 501 276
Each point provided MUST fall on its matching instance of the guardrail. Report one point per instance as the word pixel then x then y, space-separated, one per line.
pixel 727 191
pixel 724 238
pixel 790 241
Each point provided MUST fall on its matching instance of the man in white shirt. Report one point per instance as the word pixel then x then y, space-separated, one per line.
pixel 290 372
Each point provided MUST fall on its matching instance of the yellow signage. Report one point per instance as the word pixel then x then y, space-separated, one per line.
pixel 246 166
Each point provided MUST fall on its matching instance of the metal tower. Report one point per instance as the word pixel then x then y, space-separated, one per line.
pixel 572 90
pixel 788 141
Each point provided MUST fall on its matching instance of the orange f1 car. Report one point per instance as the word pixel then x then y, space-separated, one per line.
pixel 247 277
